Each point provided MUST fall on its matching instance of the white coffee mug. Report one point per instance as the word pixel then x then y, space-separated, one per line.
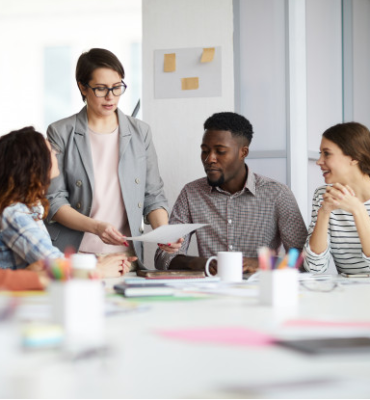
pixel 229 266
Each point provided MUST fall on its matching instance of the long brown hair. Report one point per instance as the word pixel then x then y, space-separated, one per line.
pixel 354 141
pixel 25 164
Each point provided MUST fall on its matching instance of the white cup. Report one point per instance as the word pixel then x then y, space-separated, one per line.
pixel 229 266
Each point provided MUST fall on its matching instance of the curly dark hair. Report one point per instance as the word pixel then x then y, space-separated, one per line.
pixel 25 168
pixel 93 59
pixel 353 139
pixel 232 122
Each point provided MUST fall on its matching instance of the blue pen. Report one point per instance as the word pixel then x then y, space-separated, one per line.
pixel 293 255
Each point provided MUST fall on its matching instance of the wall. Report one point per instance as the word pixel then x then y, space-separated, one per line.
pixel 177 124
pixel 324 81
pixel 361 61
pixel 262 82
pixel 324 77
pixel 40 43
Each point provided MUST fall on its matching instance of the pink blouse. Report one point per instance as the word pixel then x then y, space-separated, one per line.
pixel 107 205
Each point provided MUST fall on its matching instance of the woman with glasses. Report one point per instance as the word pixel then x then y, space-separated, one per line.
pixel 340 224
pixel 109 175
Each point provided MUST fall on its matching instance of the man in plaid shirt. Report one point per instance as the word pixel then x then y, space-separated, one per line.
pixel 244 210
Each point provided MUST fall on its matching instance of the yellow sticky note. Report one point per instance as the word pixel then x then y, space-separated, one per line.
pixel 208 54
pixel 189 83
pixel 169 62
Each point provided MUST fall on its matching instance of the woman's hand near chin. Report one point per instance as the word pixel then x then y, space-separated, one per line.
pixel 114 265
pixel 340 196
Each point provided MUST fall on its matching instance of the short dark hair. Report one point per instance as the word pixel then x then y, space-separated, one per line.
pixel 354 141
pixel 229 121
pixel 93 59
pixel 25 168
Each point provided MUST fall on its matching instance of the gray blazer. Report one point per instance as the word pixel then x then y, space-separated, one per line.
pixel 141 184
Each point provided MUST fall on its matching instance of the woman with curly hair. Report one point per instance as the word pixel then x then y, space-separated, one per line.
pixel 28 163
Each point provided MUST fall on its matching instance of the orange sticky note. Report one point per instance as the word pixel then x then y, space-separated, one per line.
pixel 208 54
pixel 169 62
pixel 189 83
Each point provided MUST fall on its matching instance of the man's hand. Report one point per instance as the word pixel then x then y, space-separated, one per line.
pixel 250 264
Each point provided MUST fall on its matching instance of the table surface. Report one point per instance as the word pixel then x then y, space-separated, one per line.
pixel 140 362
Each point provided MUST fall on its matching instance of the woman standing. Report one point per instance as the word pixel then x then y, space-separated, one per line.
pixel 340 223
pixel 110 178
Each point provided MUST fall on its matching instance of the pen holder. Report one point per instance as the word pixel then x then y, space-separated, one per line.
pixel 279 288
pixel 78 306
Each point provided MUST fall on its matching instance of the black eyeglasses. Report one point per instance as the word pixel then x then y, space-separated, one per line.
pixel 102 91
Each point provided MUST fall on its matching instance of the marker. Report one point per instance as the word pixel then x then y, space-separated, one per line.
pixel 264 258
pixel 299 260
pixel 293 255
pixel 284 262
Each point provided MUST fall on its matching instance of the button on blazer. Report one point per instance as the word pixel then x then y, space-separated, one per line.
pixel 141 184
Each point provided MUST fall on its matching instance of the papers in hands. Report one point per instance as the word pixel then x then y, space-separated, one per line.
pixel 167 233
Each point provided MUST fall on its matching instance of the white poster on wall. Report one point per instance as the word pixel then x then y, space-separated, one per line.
pixel 190 72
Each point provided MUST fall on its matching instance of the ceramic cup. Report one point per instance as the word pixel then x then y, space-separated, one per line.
pixel 229 266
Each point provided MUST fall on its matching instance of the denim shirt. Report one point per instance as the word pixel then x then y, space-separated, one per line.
pixel 23 237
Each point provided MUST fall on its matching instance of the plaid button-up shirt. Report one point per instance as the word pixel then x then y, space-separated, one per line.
pixel 23 237
pixel 263 213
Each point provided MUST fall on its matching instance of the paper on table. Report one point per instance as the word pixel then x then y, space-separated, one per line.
pixel 167 233
pixel 308 323
pixel 230 335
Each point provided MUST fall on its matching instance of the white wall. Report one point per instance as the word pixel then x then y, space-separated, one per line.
pixel 177 124
pixel 324 77
pixel 324 81
pixel 361 61
pixel 28 27
pixel 262 83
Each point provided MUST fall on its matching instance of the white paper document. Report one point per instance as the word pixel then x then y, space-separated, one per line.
pixel 167 233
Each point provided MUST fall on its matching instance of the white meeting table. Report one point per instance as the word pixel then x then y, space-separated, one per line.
pixel 141 363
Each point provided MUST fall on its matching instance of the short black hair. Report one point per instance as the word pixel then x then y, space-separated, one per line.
pixel 230 121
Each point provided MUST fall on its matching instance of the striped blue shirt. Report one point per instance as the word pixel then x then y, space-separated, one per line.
pixel 23 237
pixel 344 244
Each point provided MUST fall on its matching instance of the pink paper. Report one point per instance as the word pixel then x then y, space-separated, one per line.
pixel 232 336
pixel 326 324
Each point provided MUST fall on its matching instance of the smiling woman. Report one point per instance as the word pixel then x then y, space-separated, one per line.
pixel 340 223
